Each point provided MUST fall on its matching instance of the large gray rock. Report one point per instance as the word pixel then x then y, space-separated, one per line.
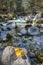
pixel 20 61
pixel 33 31
pixel 9 57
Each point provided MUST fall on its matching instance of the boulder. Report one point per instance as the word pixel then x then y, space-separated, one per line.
pixel 23 31
pixel 33 31
pixel 20 61
pixel 8 56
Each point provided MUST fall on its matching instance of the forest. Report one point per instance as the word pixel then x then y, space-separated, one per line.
pixel 19 7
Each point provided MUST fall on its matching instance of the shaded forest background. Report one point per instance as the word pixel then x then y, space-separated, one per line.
pixel 21 7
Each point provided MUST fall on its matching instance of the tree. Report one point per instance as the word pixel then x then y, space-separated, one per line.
pixel 36 6
pixel 10 5
pixel 25 5
pixel 19 6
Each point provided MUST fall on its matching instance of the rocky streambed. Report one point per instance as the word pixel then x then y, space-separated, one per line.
pixel 32 43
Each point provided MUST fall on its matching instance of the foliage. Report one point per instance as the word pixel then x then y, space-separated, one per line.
pixel 9 37
pixel 18 6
